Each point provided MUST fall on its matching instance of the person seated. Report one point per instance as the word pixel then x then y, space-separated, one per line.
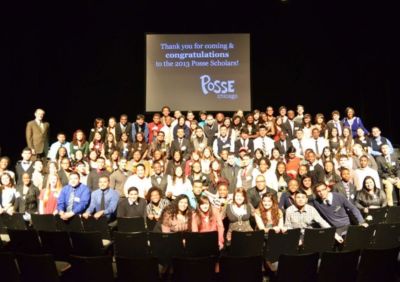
pixel 156 203
pixel 177 216
pixel 238 213
pixel 302 215
pixel 370 197
pixel 7 194
pixel 132 205
pixel 287 197
pixel 27 196
pixel 389 171
pixel 255 193
pixel 268 215
pixel 207 219
pixel 74 198
pixel 103 201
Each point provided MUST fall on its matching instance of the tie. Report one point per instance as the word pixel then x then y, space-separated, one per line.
pixel 263 146
pixel 326 202
pixel 316 147
pixel 283 145
pixel 301 148
pixel 102 201
pixel 71 200
pixel 180 142
pixel 387 159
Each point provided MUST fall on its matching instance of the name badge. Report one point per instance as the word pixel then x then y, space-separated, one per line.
pixel 183 148
pixel 76 199
pixel 337 208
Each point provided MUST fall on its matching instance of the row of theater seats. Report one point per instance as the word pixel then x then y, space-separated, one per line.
pixel 133 251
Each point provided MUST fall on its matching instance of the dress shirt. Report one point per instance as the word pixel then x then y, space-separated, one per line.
pixel 80 201
pixel 304 218
pixel 111 198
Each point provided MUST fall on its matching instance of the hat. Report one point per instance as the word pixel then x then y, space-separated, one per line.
pixel 242 149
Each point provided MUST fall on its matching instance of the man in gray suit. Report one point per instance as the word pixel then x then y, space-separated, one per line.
pixel 37 135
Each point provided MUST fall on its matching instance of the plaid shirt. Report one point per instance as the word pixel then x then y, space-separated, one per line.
pixel 303 219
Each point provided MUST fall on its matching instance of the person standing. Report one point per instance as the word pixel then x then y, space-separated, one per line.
pixel 37 135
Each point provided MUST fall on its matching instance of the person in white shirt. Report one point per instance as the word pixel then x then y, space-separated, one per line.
pixel 222 142
pixel 178 184
pixel 263 142
pixel 317 143
pixel 168 130
pixel 138 180
pixel 61 142
pixel 300 143
pixel 363 171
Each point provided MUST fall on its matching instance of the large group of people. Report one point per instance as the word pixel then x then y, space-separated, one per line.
pixel 208 173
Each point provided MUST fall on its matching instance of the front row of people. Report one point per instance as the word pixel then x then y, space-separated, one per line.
pixel 201 211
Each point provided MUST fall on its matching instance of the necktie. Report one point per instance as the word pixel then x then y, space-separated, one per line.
pixel 102 201
pixel 180 142
pixel 316 147
pixel 301 148
pixel 71 200
pixel 263 145
pixel 326 202
pixel 387 159
pixel 283 145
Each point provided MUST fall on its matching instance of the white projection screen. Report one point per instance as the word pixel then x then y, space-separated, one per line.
pixel 198 72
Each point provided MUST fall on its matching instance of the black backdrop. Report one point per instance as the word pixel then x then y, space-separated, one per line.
pixel 79 60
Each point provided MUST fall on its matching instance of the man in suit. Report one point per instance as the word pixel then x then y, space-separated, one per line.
pixel 244 142
pixel 317 143
pixel 290 126
pixel 222 142
pixel 140 126
pixel 123 127
pixel 159 179
pixel 119 177
pixel 389 171
pixel 335 122
pixel 230 172
pixel 300 143
pixel 255 193
pixel 345 187
pixel 181 144
pixel 264 142
pixel 283 144
pixel 24 166
pixel 37 135
pixel 315 170
pixel 210 129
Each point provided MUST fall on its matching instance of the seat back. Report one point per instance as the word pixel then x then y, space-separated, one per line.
pixel 376 216
pixel 44 222
pixel 24 241
pixel 87 243
pixel 8 268
pixel 358 237
pixel 386 236
pixel 37 268
pixel 201 244
pixel 281 243
pixel 318 240
pixel 131 245
pixel 131 224
pixel 97 225
pixel 378 265
pixel 74 224
pixel 57 243
pixel 165 246
pixel 238 269
pixel 332 261
pixel 197 269
pixel 393 215
pixel 127 269
pixel 290 266
pixel 15 221
pixel 252 240
pixel 96 268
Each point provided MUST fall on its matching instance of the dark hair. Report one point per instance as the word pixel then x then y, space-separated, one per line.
pixel 172 210
pixel 133 189
pixel 203 199
pixel 151 190
pixel 243 192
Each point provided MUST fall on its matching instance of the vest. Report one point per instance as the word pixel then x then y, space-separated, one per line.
pixel 375 146
pixel 223 145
